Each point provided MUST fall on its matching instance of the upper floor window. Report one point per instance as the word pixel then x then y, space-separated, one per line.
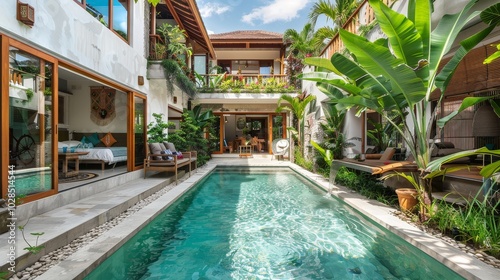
pixel 114 14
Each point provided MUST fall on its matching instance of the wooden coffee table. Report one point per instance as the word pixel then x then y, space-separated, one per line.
pixel 246 151
pixel 65 158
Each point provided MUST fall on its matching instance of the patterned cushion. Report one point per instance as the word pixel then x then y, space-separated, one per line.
pixel 179 155
pixel 167 152
pixel 108 140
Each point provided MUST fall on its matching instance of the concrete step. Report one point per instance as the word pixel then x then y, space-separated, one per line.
pixel 63 224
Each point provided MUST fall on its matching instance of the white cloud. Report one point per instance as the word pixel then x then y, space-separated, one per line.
pixel 278 10
pixel 209 32
pixel 211 8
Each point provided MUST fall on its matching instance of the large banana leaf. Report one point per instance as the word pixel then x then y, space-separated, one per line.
pixel 321 63
pixel 445 33
pixel 406 42
pixel 332 79
pixel 378 60
pixel 445 75
pixel 421 16
pixel 435 166
pixel 326 154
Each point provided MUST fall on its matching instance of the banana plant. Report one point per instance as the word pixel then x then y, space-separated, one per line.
pixel 397 74
pixel 298 106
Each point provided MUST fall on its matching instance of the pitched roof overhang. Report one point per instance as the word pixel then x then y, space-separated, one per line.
pixel 187 16
pixel 247 39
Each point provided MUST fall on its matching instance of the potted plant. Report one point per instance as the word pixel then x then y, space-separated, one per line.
pixel 29 95
pixel 407 198
pixel 47 92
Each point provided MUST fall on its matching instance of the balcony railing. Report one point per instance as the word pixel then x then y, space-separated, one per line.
pixel 265 83
pixel 153 54
pixel 363 15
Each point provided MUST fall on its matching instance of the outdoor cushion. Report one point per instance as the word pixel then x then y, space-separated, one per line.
pixel 166 152
pixel 155 148
pixel 170 146
pixel 178 154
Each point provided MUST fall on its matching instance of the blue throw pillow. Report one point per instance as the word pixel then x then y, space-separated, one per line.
pixel 166 152
pixel 94 139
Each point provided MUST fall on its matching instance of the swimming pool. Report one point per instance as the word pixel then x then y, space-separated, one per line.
pixel 261 224
pixel 28 183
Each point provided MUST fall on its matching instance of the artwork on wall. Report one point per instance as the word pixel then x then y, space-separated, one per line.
pixel 241 123
pixel 102 105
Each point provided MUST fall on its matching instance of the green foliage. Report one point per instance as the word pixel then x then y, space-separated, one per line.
pixel 366 185
pixel 477 223
pixel 302 44
pixel 221 83
pixel 298 106
pixel 190 136
pixel 174 73
pixel 34 249
pixel 29 95
pixel 157 129
pixel 338 12
pixel 174 38
pixel 397 75
pixel 301 161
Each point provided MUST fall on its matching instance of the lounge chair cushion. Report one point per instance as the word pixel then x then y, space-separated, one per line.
pixel 155 148
pixel 170 146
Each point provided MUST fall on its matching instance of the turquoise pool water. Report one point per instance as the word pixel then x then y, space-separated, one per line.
pixel 244 224
pixel 33 182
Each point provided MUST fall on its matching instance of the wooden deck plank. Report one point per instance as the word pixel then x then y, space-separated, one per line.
pixel 374 166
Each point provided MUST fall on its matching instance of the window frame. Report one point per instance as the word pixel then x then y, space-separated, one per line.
pixel 83 4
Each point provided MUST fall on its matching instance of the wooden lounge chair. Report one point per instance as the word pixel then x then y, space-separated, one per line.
pixel 157 161
pixel 386 155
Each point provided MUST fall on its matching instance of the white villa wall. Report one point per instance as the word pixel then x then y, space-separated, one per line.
pixel 65 30
pixel 79 106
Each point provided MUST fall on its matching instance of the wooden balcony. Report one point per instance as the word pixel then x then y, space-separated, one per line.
pixel 265 83
pixel 363 15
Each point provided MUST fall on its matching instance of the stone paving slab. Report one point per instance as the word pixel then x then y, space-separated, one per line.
pixel 63 224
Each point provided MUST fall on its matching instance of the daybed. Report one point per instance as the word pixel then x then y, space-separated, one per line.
pixel 164 157
pixel 441 149
pixel 102 148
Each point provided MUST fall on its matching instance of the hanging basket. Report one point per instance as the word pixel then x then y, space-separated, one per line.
pixel 407 199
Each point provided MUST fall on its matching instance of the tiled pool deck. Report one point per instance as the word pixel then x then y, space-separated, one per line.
pixel 66 222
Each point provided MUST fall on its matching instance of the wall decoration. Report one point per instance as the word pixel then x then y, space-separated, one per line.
pixel 241 123
pixel 102 105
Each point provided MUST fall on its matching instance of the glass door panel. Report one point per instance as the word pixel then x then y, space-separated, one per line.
pixel 30 122
pixel 139 124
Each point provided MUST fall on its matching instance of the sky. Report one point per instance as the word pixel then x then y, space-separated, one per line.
pixel 222 16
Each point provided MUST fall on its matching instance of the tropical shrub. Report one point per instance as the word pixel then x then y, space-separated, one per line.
pixel 398 74
pixel 190 136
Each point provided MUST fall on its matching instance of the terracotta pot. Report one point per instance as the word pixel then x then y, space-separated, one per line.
pixel 407 199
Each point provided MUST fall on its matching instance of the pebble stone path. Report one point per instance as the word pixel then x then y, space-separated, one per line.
pixel 55 257
pixel 480 255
